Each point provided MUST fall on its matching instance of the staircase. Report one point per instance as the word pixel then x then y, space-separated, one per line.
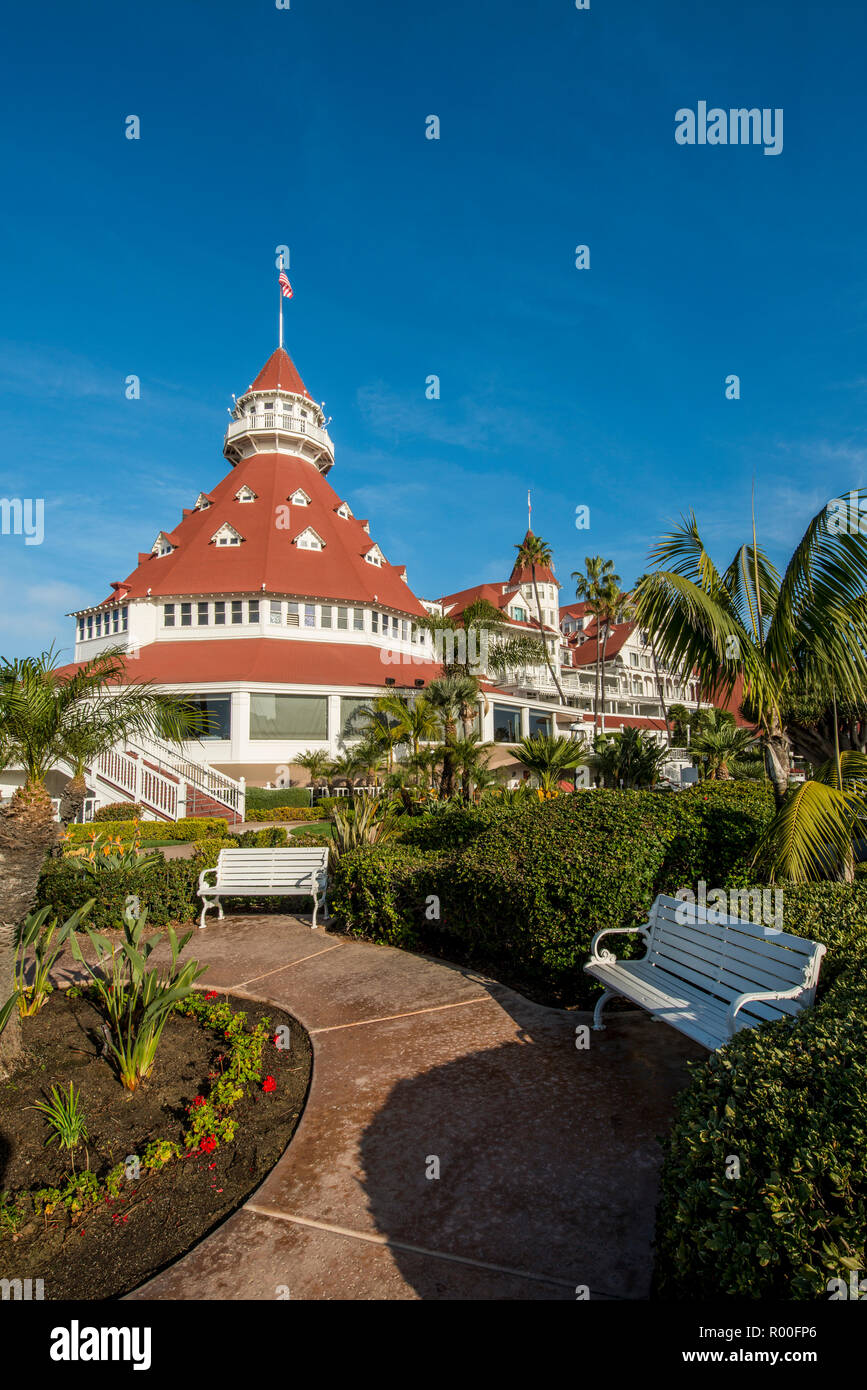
pixel 167 784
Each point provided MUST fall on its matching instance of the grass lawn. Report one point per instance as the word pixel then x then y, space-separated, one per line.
pixel 319 826
pixel 160 844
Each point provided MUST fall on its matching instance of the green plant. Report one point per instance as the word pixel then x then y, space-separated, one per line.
pixel 136 1001
pixel 550 758
pixel 36 935
pixel 120 810
pixel 789 1100
pixel 190 828
pixel 104 852
pixel 65 1117
pixel 267 798
pixel 627 758
pixel 365 821
pixel 279 812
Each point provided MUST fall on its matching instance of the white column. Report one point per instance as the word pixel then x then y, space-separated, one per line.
pixel 333 724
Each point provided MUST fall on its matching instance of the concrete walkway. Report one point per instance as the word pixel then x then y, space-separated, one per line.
pixel 547 1156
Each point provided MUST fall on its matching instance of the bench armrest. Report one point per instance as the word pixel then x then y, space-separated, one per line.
pixel 607 957
pixel 760 997
pixel 203 875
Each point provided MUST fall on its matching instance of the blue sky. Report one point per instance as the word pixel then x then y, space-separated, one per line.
pixel 602 387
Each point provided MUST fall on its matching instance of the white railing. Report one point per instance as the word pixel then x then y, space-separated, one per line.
pixel 289 424
pixel 206 779
pixel 120 770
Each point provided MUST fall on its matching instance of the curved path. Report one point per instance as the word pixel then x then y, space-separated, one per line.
pixel 455 1144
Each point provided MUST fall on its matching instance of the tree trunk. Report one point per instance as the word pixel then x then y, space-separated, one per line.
pixel 660 690
pixel 72 800
pixel 602 679
pixel 778 760
pixel 27 832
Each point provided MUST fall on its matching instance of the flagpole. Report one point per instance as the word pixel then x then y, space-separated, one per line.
pixel 280 295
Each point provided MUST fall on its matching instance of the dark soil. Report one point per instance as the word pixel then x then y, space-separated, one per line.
pixel 110 1249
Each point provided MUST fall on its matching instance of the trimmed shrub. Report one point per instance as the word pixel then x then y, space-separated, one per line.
pixel 522 889
pixel 287 813
pixel 789 1101
pixel 266 798
pixel 271 835
pixel 119 810
pixel 191 828
pixel 167 891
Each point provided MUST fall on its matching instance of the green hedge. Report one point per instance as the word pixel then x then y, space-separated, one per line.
pixel 119 810
pixel 286 813
pixel 521 890
pixel 264 798
pixel 789 1102
pixel 192 828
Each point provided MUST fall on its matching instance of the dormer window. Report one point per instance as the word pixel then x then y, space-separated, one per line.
pixel 343 510
pixel 374 556
pixel 162 545
pixel 202 502
pixel 299 498
pixel 309 539
pixel 227 535
pixel 245 494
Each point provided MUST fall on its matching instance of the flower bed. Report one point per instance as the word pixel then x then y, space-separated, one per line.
pixel 160 1166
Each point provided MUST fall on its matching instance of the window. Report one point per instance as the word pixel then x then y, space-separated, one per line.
pixel 326 615
pixel 310 615
pixel 645 662
pixel 162 545
pixel 299 498
pixel 343 619
pixel 217 710
pixel 292 614
pixel 309 540
pixel 115 620
pixel 125 619
pixel 343 510
pixel 168 615
pixel 99 624
pixel 202 613
pixel 245 494
pixel 186 615
pixel 539 723
pixel 220 613
pixel 288 716
pixel 81 629
pixel 374 621
pixel 633 658
pixel 276 611
pixel 237 611
pixel 89 628
pixel 519 614
pixel 404 631
pixel 507 724
pixel 227 535
pixel 352 721
pixel 253 611
pixel 358 619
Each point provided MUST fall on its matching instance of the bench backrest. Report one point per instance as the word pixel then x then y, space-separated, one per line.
pixel 729 956
pixel 271 866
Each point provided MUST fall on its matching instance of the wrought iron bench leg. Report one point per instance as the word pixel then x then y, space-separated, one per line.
pixel 600 1005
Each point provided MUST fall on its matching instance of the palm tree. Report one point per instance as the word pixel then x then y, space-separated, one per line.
pixel 811 836
pixel 385 718
pixel 719 744
pixel 316 761
pixel 344 768
pixel 808 626
pixel 597 587
pixel 48 718
pixel 453 699
pixel 535 553
pixel 660 683
pixel 470 757
pixel 550 758
pixel 628 758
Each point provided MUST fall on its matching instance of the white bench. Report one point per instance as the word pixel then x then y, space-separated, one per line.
pixel 709 978
pixel 265 873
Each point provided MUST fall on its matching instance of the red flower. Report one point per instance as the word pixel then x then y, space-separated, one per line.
pixel 208 1144
pixel 211 994
pixel 269 1084
pixel 199 1100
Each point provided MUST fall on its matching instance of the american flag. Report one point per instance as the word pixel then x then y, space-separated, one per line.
pixel 285 287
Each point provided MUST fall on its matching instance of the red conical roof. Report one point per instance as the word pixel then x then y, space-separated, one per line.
pixel 268 560
pixel 280 374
